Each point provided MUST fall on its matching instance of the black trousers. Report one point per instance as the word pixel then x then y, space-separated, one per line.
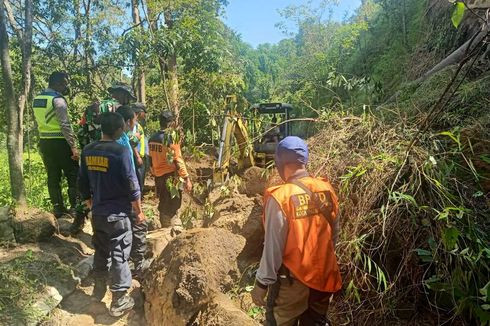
pixel 167 206
pixel 56 154
pixel 112 241
pixel 141 173
pixel 138 248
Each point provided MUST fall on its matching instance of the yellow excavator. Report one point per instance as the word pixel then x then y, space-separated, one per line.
pixel 253 136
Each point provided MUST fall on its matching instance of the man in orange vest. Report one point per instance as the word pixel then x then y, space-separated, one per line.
pixel 298 270
pixel 168 166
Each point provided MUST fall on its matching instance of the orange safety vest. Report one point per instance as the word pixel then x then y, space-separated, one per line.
pixel 309 253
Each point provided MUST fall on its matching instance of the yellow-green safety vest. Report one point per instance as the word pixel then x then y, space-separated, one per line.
pixel 142 143
pixel 45 113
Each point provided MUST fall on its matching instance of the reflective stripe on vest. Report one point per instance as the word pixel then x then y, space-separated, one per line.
pixel 309 252
pixel 45 114
pixel 142 143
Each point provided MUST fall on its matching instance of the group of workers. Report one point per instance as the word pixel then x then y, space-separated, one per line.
pixel 298 272
pixel 108 177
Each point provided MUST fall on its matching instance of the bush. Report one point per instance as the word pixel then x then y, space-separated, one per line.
pixel 35 179
pixel 415 233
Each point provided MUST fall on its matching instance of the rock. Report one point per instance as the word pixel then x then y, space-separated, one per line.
pixel 6 233
pixel 64 224
pixel 157 241
pixel 33 226
pixel 83 268
pixel 183 282
pixel 5 214
pixel 6 230
pixel 55 281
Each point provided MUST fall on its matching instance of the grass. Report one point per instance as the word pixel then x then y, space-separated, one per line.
pixel 22 280
pixel 35 179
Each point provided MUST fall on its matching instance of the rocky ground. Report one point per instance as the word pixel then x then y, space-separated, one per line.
pixel 197 278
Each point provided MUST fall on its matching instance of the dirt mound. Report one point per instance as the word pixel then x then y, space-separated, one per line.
pixel 242 216
pixel 254 181
pixel 191 271
pixel 221 311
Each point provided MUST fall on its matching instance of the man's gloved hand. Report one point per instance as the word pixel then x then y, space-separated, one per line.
pixel 258 295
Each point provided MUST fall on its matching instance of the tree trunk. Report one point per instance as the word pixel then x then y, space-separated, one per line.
pixel 139 70
pixel 153 28
pixel 173 82
pixel 77 25
pixel 26 67
pixel 459 54
pixel 14 118
pixel 87 45
pixel 173 78
pixel 404 23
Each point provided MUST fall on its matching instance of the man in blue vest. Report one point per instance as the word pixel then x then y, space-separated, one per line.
pixel 140 141
pixel 57 142
pixel 138 250
pixel 109 185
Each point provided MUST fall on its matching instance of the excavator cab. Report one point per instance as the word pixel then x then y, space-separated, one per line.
pixel 267 132
pixel 251 140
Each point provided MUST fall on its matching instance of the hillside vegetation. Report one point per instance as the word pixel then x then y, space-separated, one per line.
pixel 408 151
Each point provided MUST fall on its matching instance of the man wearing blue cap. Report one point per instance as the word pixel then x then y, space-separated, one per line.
pixel 298 270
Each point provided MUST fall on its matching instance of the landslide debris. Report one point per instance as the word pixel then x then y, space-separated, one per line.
pixel 185 284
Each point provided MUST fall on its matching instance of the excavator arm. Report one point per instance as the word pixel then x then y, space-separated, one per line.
pixel 233 129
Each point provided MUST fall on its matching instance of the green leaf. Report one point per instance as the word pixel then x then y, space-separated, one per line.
pixel 485 158
pixel 458 13
pixel 485 291
pixel 425 255
pixel 450 237
pixel 451 135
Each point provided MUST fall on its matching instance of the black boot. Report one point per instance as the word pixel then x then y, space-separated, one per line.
pixel 100 288
pixel 77 225
pixel 121 303
pixel 60 211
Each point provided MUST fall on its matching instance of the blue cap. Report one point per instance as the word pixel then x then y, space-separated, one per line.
pixel 291 149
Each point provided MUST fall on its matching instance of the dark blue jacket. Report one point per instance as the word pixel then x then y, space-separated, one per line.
pixel 108 177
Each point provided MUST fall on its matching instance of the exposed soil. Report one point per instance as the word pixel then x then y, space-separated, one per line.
pixel 196 278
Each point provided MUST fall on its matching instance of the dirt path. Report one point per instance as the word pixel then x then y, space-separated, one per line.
pixel 81 309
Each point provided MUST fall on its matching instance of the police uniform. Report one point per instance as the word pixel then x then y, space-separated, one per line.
pixel 166 163
pixel 298 265
pixel 90 124
pixel 107 176
pixel 141 145
pixel 56 139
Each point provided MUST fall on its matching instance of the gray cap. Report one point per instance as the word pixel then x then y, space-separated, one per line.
pixel 138 107
pixel 167 116
pixel 122 86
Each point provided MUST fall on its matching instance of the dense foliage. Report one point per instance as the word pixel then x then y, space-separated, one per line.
pixel 190 61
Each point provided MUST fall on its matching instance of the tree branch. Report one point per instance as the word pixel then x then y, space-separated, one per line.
pixel 12 21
